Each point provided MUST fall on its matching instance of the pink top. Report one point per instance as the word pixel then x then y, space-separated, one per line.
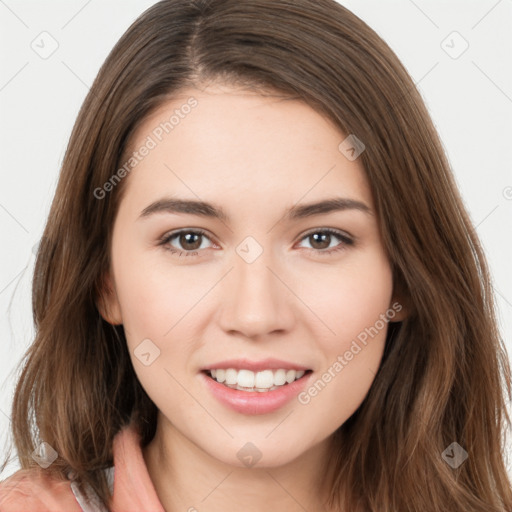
pixel 33 489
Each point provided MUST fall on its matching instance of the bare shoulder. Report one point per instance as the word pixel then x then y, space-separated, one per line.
pixel 36 489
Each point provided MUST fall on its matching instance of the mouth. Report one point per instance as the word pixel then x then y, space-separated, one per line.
pixel 256 382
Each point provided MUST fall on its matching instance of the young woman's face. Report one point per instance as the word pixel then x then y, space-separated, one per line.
pixel 262 287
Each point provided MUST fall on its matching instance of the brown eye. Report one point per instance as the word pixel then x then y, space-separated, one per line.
pixel 320 241
pixel 186 241
pixel 190 240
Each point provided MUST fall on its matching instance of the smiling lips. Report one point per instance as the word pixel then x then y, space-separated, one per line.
pixel 250 387
pixel 254 400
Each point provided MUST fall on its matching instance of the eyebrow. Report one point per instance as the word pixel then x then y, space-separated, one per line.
pixel 296 212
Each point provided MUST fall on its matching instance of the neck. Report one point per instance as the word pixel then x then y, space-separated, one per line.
pixel 188 479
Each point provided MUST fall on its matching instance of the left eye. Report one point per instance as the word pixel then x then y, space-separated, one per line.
pixel 320 236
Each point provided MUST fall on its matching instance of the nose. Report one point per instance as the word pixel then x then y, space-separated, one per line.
pixel 256 300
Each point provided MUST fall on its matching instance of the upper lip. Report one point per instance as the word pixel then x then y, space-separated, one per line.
pixel 255 366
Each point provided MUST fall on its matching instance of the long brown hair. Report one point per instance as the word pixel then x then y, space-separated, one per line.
pixel 445 374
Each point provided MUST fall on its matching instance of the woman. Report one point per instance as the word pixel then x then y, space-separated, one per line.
pixel 363 373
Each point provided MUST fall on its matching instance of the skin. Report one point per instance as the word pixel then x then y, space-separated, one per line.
pixel 255 156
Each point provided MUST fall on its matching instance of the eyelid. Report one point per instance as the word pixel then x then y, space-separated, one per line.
pixel 332 231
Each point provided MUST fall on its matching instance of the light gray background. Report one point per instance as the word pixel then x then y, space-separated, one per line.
pixel 469 97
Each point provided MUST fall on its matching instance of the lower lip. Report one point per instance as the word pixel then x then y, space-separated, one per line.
pixel 247 402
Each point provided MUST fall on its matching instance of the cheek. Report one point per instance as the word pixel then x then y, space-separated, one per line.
pixel 354 307
pixel 154 302
pixel 348 299
pixel 149 299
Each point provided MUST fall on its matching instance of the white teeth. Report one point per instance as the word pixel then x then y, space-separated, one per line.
pixel 264 379
pixel 247 380
pixel 231 376
pixel 279 377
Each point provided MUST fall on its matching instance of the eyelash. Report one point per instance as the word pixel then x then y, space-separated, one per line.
pixel 346 241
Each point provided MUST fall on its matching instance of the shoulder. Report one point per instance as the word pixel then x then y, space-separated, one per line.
pixel 36 489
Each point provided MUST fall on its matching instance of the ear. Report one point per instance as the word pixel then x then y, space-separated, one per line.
pixel 398 309
pixel 107 301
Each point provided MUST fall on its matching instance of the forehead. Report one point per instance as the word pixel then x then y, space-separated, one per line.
pixel 238 146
